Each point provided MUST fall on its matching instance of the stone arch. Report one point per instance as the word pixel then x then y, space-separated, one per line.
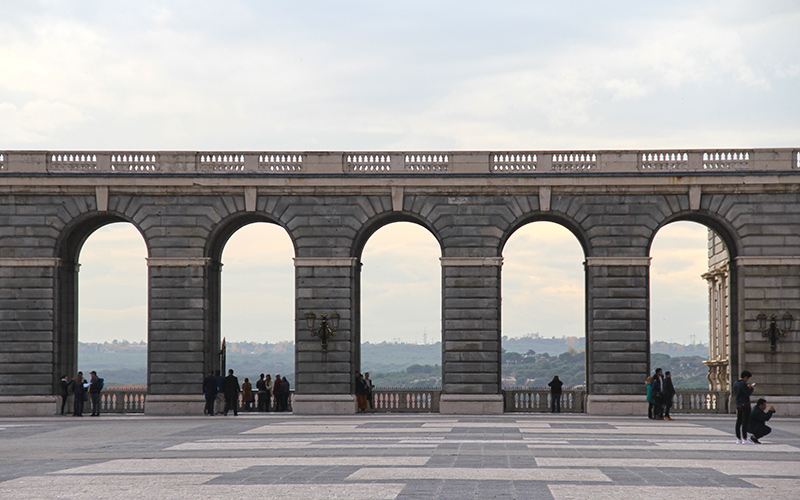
pixel 560 219
pixel 215 244
pixel 377 222
pixel 67 249
pixel 722 227
pixel 718 373
pixel 565 222
pixel 224 229
pixel 369 228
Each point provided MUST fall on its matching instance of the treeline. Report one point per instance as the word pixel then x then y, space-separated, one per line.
pixel 404 365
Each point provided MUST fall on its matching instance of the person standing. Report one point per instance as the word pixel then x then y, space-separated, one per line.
pixel 658 394
pixel 650 404
pixel 269 399
pixel 261 392
pixel 742 390
pixel 277 392
pixel 210 393
pixel 65 382
pixel 555 394
pixel 758 420
pixel 361 393
pixel 669 394
pixel 247 394
pixel 219 404
pixel 370 387
pixel 231 391
pixel 95 387
pixel 286 394
pixel 79 391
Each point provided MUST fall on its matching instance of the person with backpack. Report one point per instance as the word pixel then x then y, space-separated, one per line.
pixel 95 387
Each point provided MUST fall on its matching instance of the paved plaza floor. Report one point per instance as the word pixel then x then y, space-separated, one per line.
pixel 394 456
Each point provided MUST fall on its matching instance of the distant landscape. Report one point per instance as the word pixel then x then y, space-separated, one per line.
pixel 529 362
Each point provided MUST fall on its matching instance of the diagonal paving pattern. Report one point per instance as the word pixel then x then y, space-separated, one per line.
pixel 393 457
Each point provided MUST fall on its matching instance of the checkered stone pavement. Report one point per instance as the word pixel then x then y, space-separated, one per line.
pixel 394 457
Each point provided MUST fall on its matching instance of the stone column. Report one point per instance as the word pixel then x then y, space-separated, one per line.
pixel 719 331
pixel 27 340
pixel 325 381
pixel 178 337
pixel 471 335
pixel 769 284
pixel 618 343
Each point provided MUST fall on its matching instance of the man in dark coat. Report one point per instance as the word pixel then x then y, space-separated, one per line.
pixel 210 393
pixel 555 394
pixel 80 394
pixel 95 386
pixel 758 420
pixel 742 389
pixel 261 392
pixel 657 386
pixel 231 390
pixel 669 394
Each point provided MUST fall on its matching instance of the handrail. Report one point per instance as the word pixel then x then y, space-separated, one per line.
pixel 403 163
pixel 538 400
pixel 386 400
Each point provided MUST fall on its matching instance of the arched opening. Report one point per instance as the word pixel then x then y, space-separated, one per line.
pixel 257 304
pixel 690 306
pixel 101 312
pixel 543 308
pixel 112 309
pixel 400 290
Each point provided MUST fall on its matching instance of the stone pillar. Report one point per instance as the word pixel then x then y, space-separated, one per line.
pixel 618 343
pixel 719 328
pixel 27 343
pixel 770 285
pixel 325 381
pixel 178 337
pixel 471 374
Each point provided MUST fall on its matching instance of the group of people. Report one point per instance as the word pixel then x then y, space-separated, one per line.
pixel 660 393
pixel 80 388
pixel 222 394
pixel 752 420
pixel 364 387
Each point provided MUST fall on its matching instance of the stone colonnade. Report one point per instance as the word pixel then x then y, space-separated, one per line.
pixel 186 206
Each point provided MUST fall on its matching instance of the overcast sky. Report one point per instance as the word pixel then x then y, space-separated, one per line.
pixel 260 75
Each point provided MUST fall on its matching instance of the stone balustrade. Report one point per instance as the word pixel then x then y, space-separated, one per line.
pixel 538 400
pixel 120 401
pixel 406 400
pixel 700 401
pixel 525 163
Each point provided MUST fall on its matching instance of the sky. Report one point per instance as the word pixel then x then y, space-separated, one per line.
pixel 397 76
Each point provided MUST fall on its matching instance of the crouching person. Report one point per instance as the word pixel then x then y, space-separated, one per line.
pixel 758 420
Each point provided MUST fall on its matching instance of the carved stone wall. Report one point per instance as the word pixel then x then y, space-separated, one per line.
pixel 186 206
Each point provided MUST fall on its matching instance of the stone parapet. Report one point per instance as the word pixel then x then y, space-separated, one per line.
pixel 324 404
pixel 617 404
pixel 471 404
pixel 174 404
pixel 29 406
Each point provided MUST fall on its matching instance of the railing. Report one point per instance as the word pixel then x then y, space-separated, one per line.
pixel 700 401
pixel 524 163
pixel 121 401
pixel 538 400
pixel 406 400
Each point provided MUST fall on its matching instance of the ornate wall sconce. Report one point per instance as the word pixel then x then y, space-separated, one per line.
pixel 771 331
pixel 326 329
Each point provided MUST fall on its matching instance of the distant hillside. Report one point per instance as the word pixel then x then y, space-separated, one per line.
pixel 526 361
